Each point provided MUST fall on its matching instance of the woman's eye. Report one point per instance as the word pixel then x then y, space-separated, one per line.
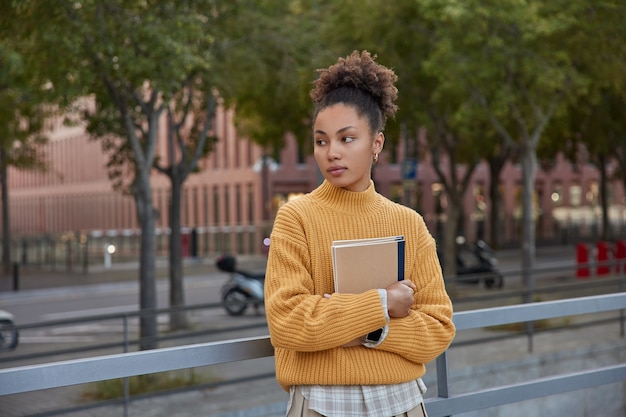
pixel 348 139
pixel 320 142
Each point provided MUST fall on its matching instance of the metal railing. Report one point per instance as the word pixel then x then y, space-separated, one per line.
pixel 58 374
pixel 447 404
pixel 510 294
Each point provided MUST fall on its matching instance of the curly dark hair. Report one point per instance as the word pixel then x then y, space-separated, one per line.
pixel 357 80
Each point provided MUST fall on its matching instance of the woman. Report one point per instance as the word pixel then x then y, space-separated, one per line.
pixel 352 354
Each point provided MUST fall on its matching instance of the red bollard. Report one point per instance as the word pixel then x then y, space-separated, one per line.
pixel 620 256
pixel 582 260
pixel 184 245
pixel 602 258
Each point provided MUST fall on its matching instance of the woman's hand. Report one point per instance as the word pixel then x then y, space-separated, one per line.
pixel 400 298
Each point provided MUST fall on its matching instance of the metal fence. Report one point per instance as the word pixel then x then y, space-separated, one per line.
pixel 126 338
pixel 79 251
pixel 58 374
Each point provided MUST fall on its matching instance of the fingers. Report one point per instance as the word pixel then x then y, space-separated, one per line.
pixel 400 298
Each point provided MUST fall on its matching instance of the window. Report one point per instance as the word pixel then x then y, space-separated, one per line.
pixel 216 205
pixel 575 195
pixel 238 208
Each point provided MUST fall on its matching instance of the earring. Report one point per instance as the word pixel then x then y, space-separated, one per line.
pixel 375 158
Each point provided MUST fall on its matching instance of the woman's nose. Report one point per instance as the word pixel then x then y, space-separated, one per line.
pixel 333 152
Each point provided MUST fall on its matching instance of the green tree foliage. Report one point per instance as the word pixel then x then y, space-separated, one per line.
pixel 138 61
pixel 268 50
pixel 592 130
pixel 508 57
pixel 25 102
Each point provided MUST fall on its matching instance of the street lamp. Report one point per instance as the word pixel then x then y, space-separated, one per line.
pixel 109 249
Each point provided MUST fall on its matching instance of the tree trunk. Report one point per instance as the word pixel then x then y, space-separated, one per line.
pixel 604 200
pixel 529 172
pixel 6 223
pixel 495 231
pixel 147 263
pixel 178 319
pixel 453 214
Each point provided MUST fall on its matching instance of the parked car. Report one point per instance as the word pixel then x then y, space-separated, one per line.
pixel 9 336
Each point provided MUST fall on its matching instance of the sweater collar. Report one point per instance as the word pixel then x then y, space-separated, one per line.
pixel 341 199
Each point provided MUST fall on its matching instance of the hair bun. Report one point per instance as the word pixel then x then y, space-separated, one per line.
pixel 359 71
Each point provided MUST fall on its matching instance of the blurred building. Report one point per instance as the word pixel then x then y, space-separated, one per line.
pixel 230 203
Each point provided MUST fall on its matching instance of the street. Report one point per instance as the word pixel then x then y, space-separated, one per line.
pixel 54 304
pixel 80 301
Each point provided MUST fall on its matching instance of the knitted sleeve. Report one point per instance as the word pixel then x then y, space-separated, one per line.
pixel 428 330
pixel 299 317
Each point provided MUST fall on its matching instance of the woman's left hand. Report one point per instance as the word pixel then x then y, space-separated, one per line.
pixel 400 298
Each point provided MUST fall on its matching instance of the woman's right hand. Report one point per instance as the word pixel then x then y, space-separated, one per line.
pixel 400 298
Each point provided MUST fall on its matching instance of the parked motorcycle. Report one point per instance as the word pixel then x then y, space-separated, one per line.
pixel 242 288
pixel 478 263
pixel 9 335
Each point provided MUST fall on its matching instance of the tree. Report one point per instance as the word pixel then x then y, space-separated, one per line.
pixel 267 51
pixel 595 122
pixel 23 96
pixel 134 58
pixel 190 115
pixel 508 57
pixel 501 153
pixel 452 136
pixel 597 134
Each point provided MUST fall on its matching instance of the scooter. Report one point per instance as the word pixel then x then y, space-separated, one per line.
pixel 481 267
pixel 242 288
pixel 9 335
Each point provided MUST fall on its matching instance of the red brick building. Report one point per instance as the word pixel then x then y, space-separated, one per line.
pixel 231 202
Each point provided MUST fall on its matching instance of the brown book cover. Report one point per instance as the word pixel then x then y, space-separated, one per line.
pixel 363 264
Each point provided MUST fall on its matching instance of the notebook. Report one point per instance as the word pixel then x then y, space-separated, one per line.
pixel 364 264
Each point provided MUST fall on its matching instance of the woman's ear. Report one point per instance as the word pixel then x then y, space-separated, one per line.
pixel 379 141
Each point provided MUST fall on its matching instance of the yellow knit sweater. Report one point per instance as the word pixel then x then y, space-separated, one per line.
pixel 308 330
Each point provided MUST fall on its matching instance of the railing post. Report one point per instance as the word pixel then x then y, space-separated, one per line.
pixel 442 375
pixel 16 276
pixel 530 326
pixel 125 321
pixel 622 287
pixel 126 379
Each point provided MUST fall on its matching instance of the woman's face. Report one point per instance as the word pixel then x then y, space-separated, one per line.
pixel 344 147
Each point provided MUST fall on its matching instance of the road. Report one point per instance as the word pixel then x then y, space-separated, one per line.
pixel 80 301
pixel 37 306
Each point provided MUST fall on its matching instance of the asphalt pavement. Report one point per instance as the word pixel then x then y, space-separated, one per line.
pixel 264 397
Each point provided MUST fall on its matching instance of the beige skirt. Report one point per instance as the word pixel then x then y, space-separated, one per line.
pixel 300 408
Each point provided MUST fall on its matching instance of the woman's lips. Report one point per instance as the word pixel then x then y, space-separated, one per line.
pixel 336 170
